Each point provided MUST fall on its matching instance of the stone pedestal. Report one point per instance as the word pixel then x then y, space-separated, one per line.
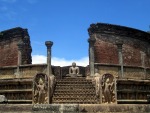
pixel 74 75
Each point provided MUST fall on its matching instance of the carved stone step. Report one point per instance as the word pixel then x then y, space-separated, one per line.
pixel 73 82
pixel 77 85
pixel 20 101
pixel 15 90
pixel 75 88
pixel 75 96
pixel 74 93
pixel 64 80
pixel 75 101
pixel 74 78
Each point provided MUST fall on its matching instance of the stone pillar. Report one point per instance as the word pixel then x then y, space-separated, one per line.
pixel 143 63
pixel 119 44
pixel 25 58
pixel 91 41
pixel 20 49
pixel 30 51
pixel 49 68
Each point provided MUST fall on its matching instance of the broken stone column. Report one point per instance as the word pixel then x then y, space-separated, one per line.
pixel 20 49
pixel 91 41
pixel 49 68
pixel 119 44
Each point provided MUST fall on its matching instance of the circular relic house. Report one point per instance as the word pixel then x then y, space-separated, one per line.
pixel 119 61
pixel 120 51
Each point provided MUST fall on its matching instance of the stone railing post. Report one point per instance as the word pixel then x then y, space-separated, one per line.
pixel 119 44
pixel 49 68
pixel 91 41
pixel 20 49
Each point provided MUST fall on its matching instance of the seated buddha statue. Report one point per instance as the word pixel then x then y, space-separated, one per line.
pixel 74 70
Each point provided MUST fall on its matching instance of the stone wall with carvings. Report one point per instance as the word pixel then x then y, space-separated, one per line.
pixel 133 90
pixel 6 73
pixel 134 73
pixel 9 49
pixel 129 72
pixel 17 90
pixel 104 69
pixel 136 44
pixel 25 71
pixel 148 73
pixel 29 71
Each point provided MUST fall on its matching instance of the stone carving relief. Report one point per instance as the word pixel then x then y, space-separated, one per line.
pixel 18 96
pixel 108 88
pixel 132 90
pixel 15 86
pixel 40 89
pixel 98 80
pixel 148 73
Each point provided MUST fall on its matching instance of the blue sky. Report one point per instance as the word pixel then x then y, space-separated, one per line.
pixel 65 22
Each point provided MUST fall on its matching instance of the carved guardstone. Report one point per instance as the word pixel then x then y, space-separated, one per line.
pixel 40 89
pixel 74 71
pixel 108 89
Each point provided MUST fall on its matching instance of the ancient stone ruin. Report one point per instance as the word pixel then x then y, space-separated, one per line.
pixel 117 78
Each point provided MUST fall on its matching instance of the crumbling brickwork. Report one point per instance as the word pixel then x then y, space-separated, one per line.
pixel 9 49
pixel 136 45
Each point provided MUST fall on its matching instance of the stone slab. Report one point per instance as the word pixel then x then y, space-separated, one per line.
pixel 56 107
pixel 113 108
pixel 75 108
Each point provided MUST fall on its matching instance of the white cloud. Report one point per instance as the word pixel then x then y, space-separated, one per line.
pixel 63 62
pixel 39 59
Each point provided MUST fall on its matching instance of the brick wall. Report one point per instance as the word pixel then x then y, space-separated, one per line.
pixel 136 44
pixel 8 54
pixel 105 51
pixel 9 49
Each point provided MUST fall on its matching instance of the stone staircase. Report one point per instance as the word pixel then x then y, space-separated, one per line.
pixel 17 91
pixel 74 90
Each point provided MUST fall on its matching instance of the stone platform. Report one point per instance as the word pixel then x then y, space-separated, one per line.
pixel 75 108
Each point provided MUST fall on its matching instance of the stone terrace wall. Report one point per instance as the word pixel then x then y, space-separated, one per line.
pixel 136 45
pixel 8 46
pixel 30 70
pixel 25 71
